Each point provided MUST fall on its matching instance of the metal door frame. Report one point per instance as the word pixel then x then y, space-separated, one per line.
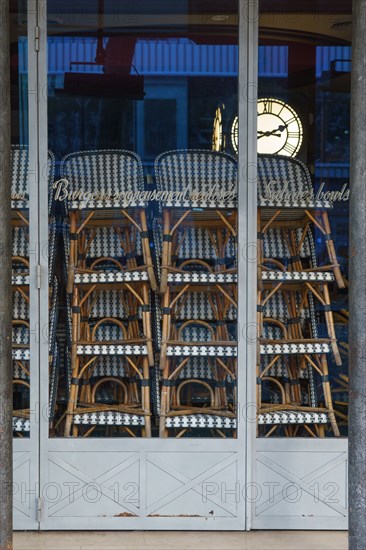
pixel 26 450
pixel 61 454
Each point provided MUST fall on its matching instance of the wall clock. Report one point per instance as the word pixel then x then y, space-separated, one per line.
pixel 235 134
pixel 279 128
pixel 217 138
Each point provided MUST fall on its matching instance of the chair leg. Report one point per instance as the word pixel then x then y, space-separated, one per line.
pixel 330 325
pixel 146 320
pixel 165 258
pixel 147 251
pixel 332 252
pixel 328 396
pixel 166 326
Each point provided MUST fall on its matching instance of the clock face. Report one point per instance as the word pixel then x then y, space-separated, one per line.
pixel 279 128
pixel 217 131
pixel 235 134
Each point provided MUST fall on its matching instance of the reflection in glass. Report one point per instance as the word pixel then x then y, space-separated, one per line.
pixel 145 216
pixel 21 329
pixel 303 171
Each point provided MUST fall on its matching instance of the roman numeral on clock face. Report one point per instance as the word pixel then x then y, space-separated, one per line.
pixel 290 120
pixel 267 107
pixel 289 148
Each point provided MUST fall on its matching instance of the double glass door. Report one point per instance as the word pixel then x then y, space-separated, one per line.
pixel 179 336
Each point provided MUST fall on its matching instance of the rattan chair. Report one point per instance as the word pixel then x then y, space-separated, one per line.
pixel 108 347
pixel 283 321
pixel 287 201
pixel 104 189
pixel 197 350
pixel 198 208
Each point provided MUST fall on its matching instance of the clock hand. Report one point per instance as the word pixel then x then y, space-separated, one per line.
pixel 281 128
pixel 268 134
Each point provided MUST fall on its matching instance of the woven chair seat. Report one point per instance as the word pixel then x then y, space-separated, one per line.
pixel 20 354
pixel 200 421
pixel 298 276
pixel 109 418
pixel 202 350
pixel 293 417
pixel 17 279
pixel 111 349
pixel 21 424
pixel 290 349
pixel 111 277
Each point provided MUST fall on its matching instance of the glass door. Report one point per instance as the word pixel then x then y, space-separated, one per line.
pixel 144 381
pixel 25 259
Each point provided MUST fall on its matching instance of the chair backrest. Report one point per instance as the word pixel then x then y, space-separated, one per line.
pixel 20 243
pixel 106 242
pixel 277 307
pixel 108 331
pixel 276 246
pixel 108 303
pixel 196 243
pixel 106 171
pixel 196 169
pixel 20 306
pixel 20 173
pixel 277 173
pixel 20 335
pixel 196 305
pixel 194 332
pixel 19 176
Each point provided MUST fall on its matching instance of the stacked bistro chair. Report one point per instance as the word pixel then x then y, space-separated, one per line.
pixel 287 200
pixel 293 295
pixel 21 329
pixel 20 287
pixel 110 278
pixel 195 237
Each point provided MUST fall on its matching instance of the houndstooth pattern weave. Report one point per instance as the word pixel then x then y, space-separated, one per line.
pixel 19 177
pixel 200 421
pixel 276 173
pixel 109 418
pixel 198 171
pixel 197 305
pixel 109 171
pixel 20 306
pixel 293 417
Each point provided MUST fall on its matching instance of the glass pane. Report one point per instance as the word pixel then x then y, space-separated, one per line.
pixel 21 246
pixel 141 100
pixel 303 178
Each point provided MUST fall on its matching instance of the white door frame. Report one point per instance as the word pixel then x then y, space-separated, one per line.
pixel 153 484
pixel 26 450
pixel 246 483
